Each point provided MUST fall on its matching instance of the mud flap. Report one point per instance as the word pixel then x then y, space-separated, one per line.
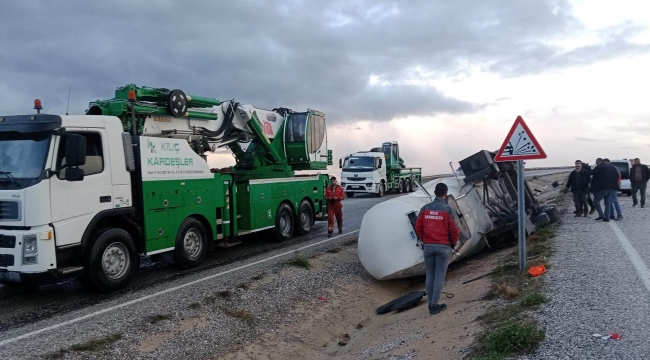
pixel 402 303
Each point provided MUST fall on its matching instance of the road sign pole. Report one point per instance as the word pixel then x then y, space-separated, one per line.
pixel 521 212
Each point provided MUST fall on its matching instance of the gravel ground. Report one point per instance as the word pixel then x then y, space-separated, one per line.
pixel 594 289
pixel 267 303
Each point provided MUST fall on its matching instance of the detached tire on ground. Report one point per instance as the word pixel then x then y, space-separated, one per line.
pixel 541 220
pixel 284 224
pixel 191 244
pixel 110 260
pixel 304 218
pixel 552 211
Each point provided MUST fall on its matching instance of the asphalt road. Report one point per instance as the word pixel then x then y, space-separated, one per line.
pixel 23 305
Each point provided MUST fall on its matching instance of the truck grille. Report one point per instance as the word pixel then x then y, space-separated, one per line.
pixel 6 260
pixel 7 242
pixel 356 179
pixel 9 210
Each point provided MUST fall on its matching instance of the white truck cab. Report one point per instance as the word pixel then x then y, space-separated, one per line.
pixel 363 173
pixel 624 167
pixel 47 199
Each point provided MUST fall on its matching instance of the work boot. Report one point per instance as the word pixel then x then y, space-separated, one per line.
pixel 577 215
pixel 642 205
pixel 340 231
pixel 592 211
pixel 633 204
pixel 619 218
pixel 599 218
pixel 585 214
pixel 436 309
pixel 329 233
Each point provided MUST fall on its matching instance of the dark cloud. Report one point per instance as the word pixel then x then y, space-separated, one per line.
pixel 317 54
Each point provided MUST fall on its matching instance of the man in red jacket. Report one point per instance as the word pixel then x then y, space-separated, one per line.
pixel 436 227
pixel 333 195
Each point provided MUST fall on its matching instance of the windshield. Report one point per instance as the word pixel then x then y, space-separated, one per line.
pixel 357 163
pixel 22 158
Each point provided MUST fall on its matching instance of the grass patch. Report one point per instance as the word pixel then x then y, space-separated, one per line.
pixel 533 299
pixel 243 315
pixel 509 328
pixel 513 337
pixel 209 299
pixel 298 261
pixel 158 318
pixel 334 250
pixel 194 306
pixel 244 286
pixel 97 344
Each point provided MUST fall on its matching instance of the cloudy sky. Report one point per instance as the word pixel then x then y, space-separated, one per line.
pixel 443 78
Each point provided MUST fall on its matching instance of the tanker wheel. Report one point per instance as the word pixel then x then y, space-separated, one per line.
pixel 304 218
pixel 381 191
pixel 284 224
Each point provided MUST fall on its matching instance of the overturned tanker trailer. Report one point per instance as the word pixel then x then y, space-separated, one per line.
pixel 484 197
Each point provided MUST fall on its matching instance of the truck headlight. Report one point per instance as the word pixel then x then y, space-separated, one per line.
pixel 369 185
pixel 343 184
pixel 30 250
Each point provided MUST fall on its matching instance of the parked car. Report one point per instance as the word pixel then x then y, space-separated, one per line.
pixel 624 167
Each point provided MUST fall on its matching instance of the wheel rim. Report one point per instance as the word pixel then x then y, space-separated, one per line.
pixel 285 224
pixel 116 261
pixel 305 220
pixel 193 243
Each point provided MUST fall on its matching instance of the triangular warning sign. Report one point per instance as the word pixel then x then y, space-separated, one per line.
pixel 520 144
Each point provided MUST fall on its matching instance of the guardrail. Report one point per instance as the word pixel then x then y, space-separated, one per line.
pixel 431 177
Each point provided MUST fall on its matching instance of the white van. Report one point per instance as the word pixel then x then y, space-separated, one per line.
pixel 624 167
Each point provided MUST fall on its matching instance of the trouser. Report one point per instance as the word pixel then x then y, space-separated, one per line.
pixel 331 213
pixel 580 201
pixel 436 259
pixel 639 186
pixel 600 196
pixel 615 205
pixel 589 201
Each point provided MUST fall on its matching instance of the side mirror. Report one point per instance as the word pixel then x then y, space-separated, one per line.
pixel 74 174
pixel 75 151
pixel 380 161
pixel 340 164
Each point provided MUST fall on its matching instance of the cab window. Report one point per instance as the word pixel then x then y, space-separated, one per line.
pixel 94 155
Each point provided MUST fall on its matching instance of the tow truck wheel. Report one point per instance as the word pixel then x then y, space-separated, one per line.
pixel 109 263
pixel 304 218
pixel 191 244
pixel 381 191
pixel 284 223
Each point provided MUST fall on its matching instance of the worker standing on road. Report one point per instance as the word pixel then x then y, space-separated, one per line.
pixel 592 208
pixel 436 227
pixel 615 205
pixel 333 195
pixel 639 175
pixel 605 180
pixel 578 184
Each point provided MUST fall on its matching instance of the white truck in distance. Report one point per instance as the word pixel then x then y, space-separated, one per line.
pixel 377 171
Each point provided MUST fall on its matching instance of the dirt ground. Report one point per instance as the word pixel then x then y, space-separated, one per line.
pixel 346 325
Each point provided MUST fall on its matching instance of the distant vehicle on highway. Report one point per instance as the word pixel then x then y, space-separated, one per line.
pixel 624 167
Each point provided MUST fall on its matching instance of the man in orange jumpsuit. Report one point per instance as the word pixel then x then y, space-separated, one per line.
pixel 333 195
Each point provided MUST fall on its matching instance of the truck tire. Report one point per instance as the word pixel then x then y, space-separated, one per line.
pixel 109 263
pixel 284 224
pixel 399 187
pixel 382 190
pixel 349 194
pixel 191 244
pixel 304 218
pixel 410 185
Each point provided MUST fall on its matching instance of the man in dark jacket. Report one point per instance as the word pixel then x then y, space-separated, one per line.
pixel 592 208
pixel 639 175
pixel 605 179
pixel 578 183
pixel 436 227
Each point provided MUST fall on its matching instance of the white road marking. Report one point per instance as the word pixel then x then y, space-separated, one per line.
pixel 639 265
pixel 135 301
